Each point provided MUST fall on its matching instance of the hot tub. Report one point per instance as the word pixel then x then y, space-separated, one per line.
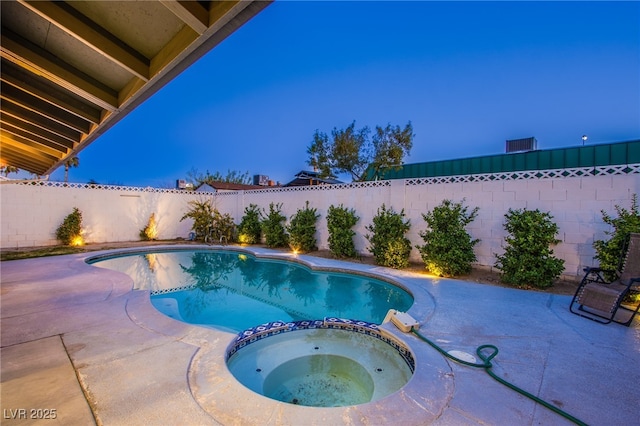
pixel 322 363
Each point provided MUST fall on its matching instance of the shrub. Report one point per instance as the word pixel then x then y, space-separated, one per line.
pixel 249 230
pixel 388 243
pixel 273 227
pixel 609 253
pixel 340 220
pixel 150 232
pixel 302 230
pixel 201 212
pixel 70 230
pixel 222 227
pixel 448 248
pixel 528 260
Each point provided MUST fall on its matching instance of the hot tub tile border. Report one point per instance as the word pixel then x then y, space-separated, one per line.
pixel 269 329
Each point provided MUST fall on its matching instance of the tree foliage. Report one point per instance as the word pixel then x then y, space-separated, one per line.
pixel 351 151
pixel 71 162
pixel 232 176
pixel 5 170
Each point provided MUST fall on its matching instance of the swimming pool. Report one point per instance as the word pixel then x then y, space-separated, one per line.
pixel 234 290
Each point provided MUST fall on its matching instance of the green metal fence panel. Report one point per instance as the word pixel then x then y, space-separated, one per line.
pixel 633 152
pixel 557 159
pixel 519 162
pixel 438 169
pixel 475 166
pixel 456 168
pixel 571 158
pixel 485 165
pixel 496 163
pixel 544 160
pixel 587 156
pixel 560 158
pixel 618 154
pixel 602 155
pixel 508 162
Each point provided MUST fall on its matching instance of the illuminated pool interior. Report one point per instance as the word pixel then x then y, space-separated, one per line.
pixel 321 363
pixel 234 291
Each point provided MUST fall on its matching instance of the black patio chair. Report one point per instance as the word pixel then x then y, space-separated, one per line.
pixel 600 300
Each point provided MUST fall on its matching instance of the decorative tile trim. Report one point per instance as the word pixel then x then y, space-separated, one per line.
pixel 96 186
pixel 327 187
pixel 172 290
pixel 623 169
pixel 269 329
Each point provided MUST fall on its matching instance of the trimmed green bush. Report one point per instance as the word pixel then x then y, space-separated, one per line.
pixel 249 230
pixel 387 240
pixel 70 230
pixel 340 222
pixel 273 226
pixel 528 260
pixel 609 253
pixel 302 230
pixel 448 248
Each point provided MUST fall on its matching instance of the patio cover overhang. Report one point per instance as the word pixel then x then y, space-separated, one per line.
pixel 71 70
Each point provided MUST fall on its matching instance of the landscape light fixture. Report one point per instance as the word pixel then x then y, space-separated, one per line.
pixel 584 138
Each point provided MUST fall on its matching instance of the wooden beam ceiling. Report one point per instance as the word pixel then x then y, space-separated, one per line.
pixel 71 70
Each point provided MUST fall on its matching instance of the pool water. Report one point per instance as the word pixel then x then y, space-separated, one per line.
pixel 323 366
pixel 320 381
pixel 234 291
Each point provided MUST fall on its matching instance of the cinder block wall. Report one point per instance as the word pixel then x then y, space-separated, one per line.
pixel 32 213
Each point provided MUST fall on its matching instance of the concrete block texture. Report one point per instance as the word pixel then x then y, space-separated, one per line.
pixel 31 213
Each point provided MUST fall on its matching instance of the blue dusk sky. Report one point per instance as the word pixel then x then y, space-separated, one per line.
pixel 468 75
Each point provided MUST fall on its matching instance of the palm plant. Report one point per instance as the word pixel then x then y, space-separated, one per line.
pixel 71 162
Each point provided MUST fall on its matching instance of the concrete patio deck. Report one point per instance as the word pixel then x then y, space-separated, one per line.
pixel 79 346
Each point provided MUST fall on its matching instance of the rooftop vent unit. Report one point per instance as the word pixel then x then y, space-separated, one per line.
pixel 522 145
pixel 183 184
pixel 261 180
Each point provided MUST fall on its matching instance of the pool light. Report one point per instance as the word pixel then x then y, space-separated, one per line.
pixel 77 241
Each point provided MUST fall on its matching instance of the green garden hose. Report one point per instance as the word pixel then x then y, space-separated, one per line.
pixel 487 367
